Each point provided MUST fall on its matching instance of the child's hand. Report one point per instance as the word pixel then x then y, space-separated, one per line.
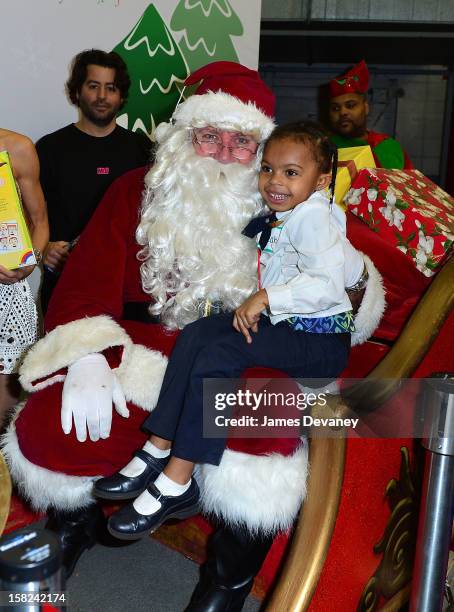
pixel 248 314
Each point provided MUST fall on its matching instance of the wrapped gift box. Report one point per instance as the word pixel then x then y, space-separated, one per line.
pixel 16 248
pixel 350 162
pixel 407 209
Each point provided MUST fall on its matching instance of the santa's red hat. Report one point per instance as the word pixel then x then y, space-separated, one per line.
pixel 355 80
pixel 230 97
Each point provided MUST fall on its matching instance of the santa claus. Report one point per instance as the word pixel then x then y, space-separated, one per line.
pixel 105 345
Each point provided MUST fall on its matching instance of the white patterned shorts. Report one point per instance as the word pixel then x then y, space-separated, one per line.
pixel 18 324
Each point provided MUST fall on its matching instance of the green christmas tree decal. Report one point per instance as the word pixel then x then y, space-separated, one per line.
pixel 207 26
pixel 157 70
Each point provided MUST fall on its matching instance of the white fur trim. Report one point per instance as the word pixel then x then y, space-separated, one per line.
pixel 372 307
pixel 140 375
pixel 67 343
pixel 224 111
pixel 43 488
pixel 262 492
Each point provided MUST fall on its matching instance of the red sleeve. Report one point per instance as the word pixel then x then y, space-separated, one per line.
pixel 94 279
pixel 407 162
pixel 375 138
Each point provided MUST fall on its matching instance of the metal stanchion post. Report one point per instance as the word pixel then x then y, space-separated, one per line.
pixel 435 520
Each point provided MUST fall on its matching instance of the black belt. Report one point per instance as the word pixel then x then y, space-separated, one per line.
pixel 139 312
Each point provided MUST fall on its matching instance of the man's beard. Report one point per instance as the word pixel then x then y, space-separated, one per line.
pixel 353 130
pixel 191 225
pixel 89 111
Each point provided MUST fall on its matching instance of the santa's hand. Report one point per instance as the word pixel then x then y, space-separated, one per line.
pixel 88 392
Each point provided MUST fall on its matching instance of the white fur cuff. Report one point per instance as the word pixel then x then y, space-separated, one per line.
pixel 372 307
pixel 224 111
pixel 140 374
pixel 67 343
pixel 42 488
pixel 262 492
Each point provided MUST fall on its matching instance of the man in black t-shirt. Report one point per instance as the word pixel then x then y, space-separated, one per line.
pixel 81 160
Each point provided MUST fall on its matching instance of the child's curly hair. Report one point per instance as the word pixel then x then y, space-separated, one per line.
pixel 312 134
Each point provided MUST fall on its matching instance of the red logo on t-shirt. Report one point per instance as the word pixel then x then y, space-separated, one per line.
pixel 103 170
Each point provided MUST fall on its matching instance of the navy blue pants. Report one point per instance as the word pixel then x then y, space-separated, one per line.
pixel 211 348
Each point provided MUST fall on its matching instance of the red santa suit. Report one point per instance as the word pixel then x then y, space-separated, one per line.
pixel 85 316
pixel 260 483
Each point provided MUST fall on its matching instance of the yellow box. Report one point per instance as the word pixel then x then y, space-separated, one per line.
pixel 16 249
pixel 350 161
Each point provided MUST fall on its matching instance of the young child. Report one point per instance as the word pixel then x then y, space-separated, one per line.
pixel 298 321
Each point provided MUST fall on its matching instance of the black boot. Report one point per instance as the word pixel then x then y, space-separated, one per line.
pixel 77 531
pixel 234 559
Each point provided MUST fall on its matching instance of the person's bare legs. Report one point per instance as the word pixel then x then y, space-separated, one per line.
pixel 178 470
pixel 160 442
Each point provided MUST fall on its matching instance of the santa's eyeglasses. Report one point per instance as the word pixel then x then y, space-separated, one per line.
pixel 241 146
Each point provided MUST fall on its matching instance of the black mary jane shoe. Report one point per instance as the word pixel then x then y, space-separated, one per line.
pixel 118 487
pixel 128 524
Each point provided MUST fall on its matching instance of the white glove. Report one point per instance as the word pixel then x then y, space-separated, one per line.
pixel 88 392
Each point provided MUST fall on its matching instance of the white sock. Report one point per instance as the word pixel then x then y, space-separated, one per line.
pixel 154 451
pixel 147 504
pixel 136 466
pixel 167 486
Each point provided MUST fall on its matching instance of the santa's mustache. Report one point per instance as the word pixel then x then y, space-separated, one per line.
pixel 213 175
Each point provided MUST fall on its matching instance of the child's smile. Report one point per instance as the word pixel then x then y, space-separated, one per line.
pixel 277 198
pixel 289 174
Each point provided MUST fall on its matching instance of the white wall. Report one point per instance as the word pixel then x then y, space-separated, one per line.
pixel 40 37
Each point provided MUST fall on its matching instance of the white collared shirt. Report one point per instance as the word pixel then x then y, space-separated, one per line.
pixel 309 261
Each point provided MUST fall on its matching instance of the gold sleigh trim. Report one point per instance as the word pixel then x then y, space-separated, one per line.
pixel 398 542
pixel 5 493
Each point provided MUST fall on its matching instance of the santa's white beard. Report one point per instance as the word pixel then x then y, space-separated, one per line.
pixel 192 216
